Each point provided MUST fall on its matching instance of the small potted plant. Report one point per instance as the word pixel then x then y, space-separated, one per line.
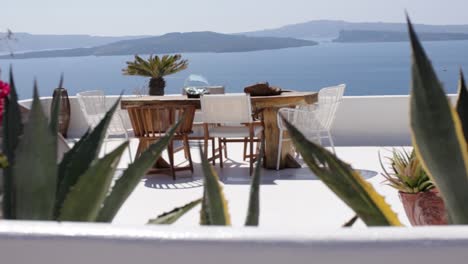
pixel 195 92
pixel 421 200
pixel 156 68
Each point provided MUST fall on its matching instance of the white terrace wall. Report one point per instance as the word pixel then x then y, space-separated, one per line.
pixel 48 243
pixel 78 125
pixel 360 120
pixel 373 121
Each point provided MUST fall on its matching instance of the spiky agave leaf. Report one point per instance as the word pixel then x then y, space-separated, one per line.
pixel 35 167
pixel 130 178
pixel 76 161
pixel 12 130
pixel 253 211
pixel 54 112
pixel 351 221
pixel 462 104
pixel 214 205
pixel 346 183
pixel 174 215
pixel 438 135
pixel 84 200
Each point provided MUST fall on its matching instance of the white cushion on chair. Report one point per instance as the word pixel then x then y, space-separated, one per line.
pixel 226 108
pixel 233 131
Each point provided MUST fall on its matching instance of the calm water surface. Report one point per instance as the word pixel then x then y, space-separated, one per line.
pixel 367 69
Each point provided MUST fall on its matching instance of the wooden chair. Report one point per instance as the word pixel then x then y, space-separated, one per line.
pixel 151 123
pixel 229 118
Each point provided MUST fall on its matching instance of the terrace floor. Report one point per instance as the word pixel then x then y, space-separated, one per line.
pixel 289 199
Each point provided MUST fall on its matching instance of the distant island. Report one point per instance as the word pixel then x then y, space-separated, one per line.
pixel 175 43
pixel 331 29
pixel 32 42
pixel 358 36
pixel 27 45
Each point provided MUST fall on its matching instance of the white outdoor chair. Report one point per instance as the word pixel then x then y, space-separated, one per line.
pixel 198 131
pixel 93 106
pixel 314 121
pixel 229 118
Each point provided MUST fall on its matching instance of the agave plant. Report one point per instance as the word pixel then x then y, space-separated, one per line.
pixel 440 133
pixel 156 68
pixel 407 174
pixel 214 209
pixel 76 189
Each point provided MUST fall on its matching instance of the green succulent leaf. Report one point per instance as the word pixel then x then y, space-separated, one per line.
pixel 346 183
pixel 125 185
pixel 76 161
pixel 253 211
pixel 85 198
pixel 204 216
pixel 438 135
pixel 462 104
pixel 174 215
pixel 214 205
pixel 12 130
pixel 407 174
pixel 351 221
pixel 55 109
pixel 35 167
pixel 3 164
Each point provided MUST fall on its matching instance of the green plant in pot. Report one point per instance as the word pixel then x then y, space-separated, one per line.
pixel 156 68
pixel 421 200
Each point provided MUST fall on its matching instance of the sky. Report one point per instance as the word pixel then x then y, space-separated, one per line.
pixel 147 17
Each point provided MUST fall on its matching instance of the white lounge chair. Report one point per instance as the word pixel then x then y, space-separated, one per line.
pixel 93 106
pixel 314 121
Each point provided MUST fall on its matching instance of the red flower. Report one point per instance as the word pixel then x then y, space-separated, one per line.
pixel 4 92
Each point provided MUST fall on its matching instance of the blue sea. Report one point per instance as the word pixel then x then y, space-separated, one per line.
pixel 366 68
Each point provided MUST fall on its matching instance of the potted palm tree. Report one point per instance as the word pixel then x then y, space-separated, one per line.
pixel 421 200
pixel 156 68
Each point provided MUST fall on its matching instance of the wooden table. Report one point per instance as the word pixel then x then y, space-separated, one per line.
pixel 267 105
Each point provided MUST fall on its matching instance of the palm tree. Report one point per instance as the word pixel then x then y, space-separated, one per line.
pixel 156 68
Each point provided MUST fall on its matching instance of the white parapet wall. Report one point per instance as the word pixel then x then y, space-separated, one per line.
pixel 373 121
pixel 360 120
pixel 381 120
pixel 41 242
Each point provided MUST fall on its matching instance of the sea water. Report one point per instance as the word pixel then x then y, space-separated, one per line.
pixel 366 69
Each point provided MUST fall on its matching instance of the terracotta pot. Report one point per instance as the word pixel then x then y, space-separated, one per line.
pixel 424 208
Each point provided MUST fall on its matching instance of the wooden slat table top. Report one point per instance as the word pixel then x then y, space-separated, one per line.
pixel 285 99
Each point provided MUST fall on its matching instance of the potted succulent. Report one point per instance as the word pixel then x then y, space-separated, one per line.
pixel 156 68
pixel 421 200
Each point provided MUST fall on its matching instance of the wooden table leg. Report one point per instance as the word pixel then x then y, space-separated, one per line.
pixel 271 143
